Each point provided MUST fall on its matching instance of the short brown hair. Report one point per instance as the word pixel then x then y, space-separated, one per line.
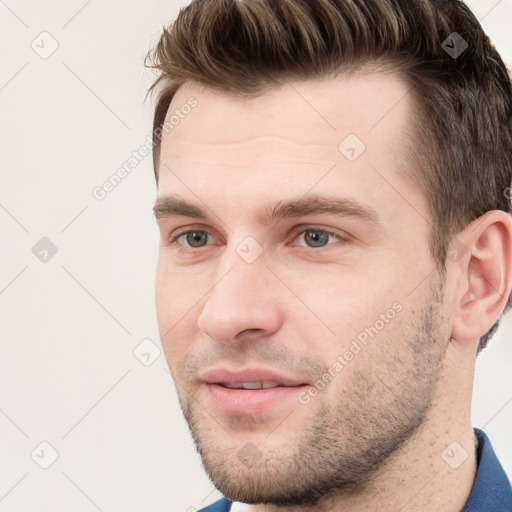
pixel 463 97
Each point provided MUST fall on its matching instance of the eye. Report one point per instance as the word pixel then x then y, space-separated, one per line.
pixel 313 238
pixel 318 238
pixel 193 239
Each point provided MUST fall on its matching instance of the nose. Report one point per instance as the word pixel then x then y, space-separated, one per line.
pixel 243 299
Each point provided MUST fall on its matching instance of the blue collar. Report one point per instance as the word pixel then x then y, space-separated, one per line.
pixel 491 491
pixel 491 488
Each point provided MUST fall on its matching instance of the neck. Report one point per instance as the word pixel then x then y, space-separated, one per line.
pixel 436 468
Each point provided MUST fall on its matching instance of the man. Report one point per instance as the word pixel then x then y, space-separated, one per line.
pixel 336 246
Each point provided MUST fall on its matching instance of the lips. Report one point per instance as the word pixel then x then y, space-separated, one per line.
pixel 252 391
pixel 250 378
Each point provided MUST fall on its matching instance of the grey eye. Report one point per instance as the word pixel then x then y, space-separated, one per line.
pixel 196 238
pixel 316 238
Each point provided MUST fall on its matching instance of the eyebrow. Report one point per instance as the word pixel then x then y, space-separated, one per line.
pixel 174 206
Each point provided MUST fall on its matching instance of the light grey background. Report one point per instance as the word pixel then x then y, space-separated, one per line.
pixel 69 377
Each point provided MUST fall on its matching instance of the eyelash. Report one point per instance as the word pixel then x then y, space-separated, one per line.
pixel 174 239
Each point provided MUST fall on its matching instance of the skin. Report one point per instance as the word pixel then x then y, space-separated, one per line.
pixel 375 435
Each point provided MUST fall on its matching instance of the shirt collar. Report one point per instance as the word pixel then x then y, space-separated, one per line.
pixel 491 489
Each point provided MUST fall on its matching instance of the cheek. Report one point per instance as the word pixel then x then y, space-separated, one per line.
pixel 358 318
pixel 177 337
pixel 175 294
pixel 177 308
pixel 343 302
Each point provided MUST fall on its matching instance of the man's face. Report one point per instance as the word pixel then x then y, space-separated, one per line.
pixel 341 308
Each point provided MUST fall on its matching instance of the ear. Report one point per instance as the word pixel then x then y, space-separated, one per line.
pixel 485 280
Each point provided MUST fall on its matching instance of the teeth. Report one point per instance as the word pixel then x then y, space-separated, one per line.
pixel 252 385
pixel 231 386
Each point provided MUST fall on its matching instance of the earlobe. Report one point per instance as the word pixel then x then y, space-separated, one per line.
pixel 485 280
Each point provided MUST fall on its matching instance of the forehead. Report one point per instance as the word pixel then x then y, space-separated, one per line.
pixel 346 134
pixel 363 100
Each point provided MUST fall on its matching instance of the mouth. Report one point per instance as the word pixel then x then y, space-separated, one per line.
pixel 251 391
pixel 252 385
